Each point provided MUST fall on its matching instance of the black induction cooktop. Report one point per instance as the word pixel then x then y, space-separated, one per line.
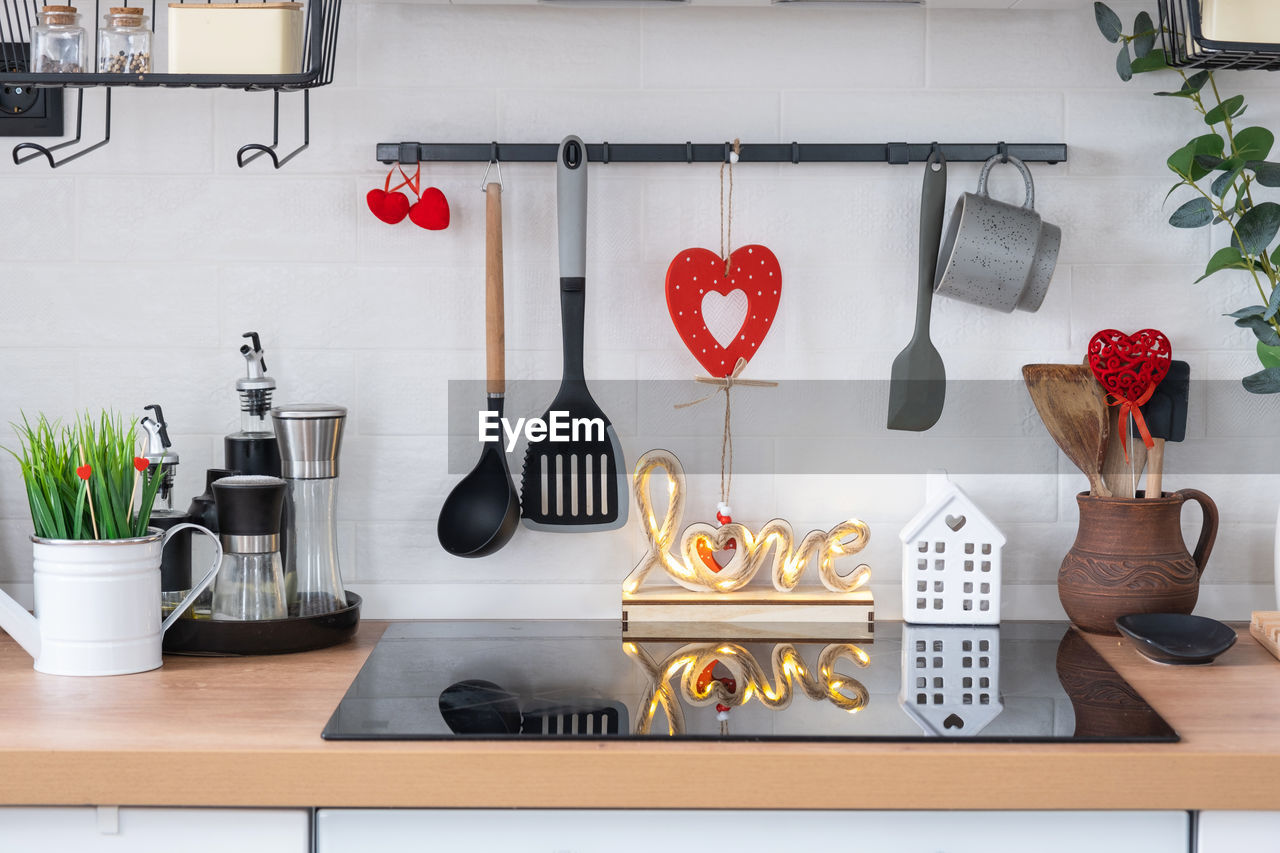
pixel 1017 682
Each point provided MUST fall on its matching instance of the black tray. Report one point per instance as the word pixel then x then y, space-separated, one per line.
pixel 266 637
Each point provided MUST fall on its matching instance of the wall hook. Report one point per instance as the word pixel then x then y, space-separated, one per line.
pixel 270 150
pixel 1002 148
pixel 493 161
pixel 38 150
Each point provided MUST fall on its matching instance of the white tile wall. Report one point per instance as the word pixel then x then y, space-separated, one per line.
pixel 130 274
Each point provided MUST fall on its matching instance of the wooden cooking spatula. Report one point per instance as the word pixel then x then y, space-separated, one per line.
pixel 1074 412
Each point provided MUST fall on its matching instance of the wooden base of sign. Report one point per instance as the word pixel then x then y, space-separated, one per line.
pixel 813 613
pixel 1264 626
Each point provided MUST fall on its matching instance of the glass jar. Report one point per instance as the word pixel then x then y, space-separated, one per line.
pixel 58 42
pixel 124 42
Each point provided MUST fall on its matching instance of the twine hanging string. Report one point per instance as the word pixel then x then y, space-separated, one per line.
pixel 726 223
pixel 726 384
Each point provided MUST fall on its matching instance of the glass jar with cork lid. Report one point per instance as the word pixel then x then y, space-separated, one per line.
pixel 58 43
pixel 124 42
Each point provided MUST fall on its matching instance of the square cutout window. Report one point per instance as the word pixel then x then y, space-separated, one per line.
pixel 921 603
pixel 986 589
pixel 967 682
pixel 986 547
pixel 968 565
pixel 937 683
pixel 937 645
pixel 968 604
pixel 922 682
pixel 968 588
pixel 922 546
pixel 922 565
pixel 937 604
pixel 922 586
pixel 967 645
pixel 937 586
pixel 984 662
pixel 940 547
pixel 920 646
pixel 967 662
pixel 968 547
pixel 922 699
pixel 984 605
pixel 939 564
pixel 986 565
pixel 921 663
pixel 984 682
pixel 968 699
pixel 984 699
pixel 937 663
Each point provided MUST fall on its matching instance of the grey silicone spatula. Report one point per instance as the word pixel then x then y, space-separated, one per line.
pixel 918 384
pixel 577 485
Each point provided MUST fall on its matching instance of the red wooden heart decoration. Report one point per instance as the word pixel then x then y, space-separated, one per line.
pixel 695 272
pixel 1129 367
pixel 431 210
pixel 390 207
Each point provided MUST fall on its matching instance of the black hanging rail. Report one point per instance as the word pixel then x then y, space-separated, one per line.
pixel 688 152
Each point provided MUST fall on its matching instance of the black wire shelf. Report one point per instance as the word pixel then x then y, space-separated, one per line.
pixel 320 29
pixel 1185 45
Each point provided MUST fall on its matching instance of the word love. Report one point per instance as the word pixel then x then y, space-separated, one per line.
pixel 691 571
pixel 557 427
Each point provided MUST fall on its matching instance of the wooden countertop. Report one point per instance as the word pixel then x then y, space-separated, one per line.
pixel 246 732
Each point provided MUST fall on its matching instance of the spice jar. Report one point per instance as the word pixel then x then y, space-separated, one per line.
pixel 124 42
pixel 58 44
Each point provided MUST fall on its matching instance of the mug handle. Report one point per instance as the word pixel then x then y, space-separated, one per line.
pixel 204 581
pixel 1030 203
pixel 1208 532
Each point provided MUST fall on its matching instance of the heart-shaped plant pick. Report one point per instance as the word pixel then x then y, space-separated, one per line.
pixel 84 472
pixel 1129 367
pixel 694 273
pixel 140 464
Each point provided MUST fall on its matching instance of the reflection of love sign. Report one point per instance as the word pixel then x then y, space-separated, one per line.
pixel 697 273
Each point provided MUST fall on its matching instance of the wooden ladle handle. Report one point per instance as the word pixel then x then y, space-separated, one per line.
pixel 1209 530
pixel 495 322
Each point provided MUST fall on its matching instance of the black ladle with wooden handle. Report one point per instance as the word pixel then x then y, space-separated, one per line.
pixel 483 510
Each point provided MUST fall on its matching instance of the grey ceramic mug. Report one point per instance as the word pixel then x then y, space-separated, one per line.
pixel 995 254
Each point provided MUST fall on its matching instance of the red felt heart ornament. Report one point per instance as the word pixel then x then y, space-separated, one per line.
pixel 431 211
pixel 391 207
pixel 84 472
pixel 694 273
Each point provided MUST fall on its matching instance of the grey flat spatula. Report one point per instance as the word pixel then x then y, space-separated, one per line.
pixel 579 485
pixel 918 386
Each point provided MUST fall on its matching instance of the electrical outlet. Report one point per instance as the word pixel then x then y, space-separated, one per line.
pixel 24 110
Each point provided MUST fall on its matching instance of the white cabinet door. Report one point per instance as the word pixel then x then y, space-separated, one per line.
pixel 1235 832
pixel 614 831
pixel 143 830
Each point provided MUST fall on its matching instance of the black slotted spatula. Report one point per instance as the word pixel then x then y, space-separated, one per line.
pixel 1166 417
pixel 580 484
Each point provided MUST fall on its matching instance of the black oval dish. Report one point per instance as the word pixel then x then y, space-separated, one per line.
pixel 1177 638
pixel 264 637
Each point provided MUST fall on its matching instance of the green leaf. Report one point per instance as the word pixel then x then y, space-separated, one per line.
pixel 1193 84
pixel 1228 258
pixel 1123 66
pixel 1171 191
pixel 1254 143
pixel 1108 22
pixel 1246 313
pixel 1257 228
pixel 1194 214
pixel 1273 305
pixel 1261 329
pixel 1153 61
pixel 1223 111
pixel 1263 382
pixel 1144 35
pixel 1267 174
pixel 1186 162
pixel 1269 356
pixel 1225 181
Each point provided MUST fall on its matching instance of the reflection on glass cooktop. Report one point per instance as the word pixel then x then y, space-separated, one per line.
pixel 1020 681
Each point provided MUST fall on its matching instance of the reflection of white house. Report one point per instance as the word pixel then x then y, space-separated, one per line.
pixel 950 560
pixel 951 678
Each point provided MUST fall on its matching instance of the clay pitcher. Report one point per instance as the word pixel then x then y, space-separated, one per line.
pixel 1129 557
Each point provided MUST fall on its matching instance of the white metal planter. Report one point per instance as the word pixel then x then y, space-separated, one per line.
pixel 950 560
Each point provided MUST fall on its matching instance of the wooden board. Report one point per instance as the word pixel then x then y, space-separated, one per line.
pixel 853 610
pixel 1265 628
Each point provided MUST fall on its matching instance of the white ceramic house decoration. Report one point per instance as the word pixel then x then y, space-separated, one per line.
pixel 951 678
pixel 950 560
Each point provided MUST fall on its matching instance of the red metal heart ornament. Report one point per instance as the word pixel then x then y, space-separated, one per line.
pixel 694 273
pixel 1129 367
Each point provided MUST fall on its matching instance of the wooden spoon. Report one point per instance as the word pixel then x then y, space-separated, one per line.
pixel 1071 404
